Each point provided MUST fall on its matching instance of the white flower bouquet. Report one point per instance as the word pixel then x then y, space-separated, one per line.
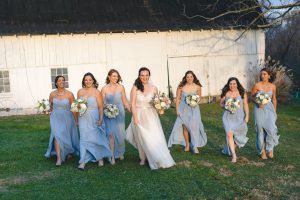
pixel 262 98
pixel 111 110
pixel 79 105
pixel 192 100
pixel 161 102
pixel 232 104
pixel 43 106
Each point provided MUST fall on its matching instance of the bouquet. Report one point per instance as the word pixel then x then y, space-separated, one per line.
pixel 111 110
pixel 43 106
pixel 161 102
pixel 192 100
pixel 79 105
pixel 232 104
pixel 262 98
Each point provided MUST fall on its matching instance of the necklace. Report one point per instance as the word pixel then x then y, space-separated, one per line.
pixel 61 93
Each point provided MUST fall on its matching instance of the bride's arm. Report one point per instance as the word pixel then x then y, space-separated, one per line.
pixel 133 104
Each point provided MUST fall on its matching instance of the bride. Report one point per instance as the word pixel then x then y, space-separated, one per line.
pixel 145 132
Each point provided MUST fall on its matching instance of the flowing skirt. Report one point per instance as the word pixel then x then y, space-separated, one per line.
pixel 149 139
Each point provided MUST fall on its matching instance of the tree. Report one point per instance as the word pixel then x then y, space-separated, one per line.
pixel 244 14
pixel 283 44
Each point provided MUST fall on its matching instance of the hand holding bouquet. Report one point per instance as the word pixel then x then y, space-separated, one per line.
pixel 192 100
pixel 262 98
pixel 43 106
pixel 161 102
pixel 111 110
pixel 79 105
pixel 232 104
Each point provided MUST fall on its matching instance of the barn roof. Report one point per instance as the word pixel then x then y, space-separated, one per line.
pixel 91 16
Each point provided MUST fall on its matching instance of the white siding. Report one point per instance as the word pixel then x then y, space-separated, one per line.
pixel 213 55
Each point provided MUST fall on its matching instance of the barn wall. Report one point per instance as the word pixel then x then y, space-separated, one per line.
pixel 213 55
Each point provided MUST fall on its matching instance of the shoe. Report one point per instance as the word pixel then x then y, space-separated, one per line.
pixel 122 157
pixel 81 166
pixel 100 163
pixel 112 161
pixel 58 163
pixel 270 154
pixel 195 150
pixel 142 162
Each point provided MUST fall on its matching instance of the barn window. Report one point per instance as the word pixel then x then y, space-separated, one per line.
pixel 4 82
pixel 59 71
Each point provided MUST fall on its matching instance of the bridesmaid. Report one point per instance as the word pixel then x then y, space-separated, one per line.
pixel 265 116
pixel 64 136
pixel 114 93
pixel 235 124
pixel 93 142
pixel 188 129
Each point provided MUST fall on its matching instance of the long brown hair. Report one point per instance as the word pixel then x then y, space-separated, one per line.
pixel 183 81
pixel 138 83
pixel 272 76
pixel 95 83
pixel 239 87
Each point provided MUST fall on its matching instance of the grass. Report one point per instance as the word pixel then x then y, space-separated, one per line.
pixel 26 174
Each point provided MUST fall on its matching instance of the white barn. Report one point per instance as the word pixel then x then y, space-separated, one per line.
pixel 32 55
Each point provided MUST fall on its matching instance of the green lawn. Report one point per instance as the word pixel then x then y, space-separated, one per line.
pixel 26 174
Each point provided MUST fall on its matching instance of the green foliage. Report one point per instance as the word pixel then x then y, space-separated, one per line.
pixel 26 174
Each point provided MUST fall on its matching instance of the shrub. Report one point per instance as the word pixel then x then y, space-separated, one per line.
pixel 282 77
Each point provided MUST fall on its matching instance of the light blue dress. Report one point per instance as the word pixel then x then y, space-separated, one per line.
pixel 236 123
pixel 63 129
pixel 190 117
pixel 265 125
pixel 116 126
pixel 93 142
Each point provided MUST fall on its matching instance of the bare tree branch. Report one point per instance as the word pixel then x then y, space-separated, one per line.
pixel 266 10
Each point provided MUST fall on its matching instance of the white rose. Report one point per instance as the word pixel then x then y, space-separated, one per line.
pixel 46 102
pixel 188 100
pixel 82 108
pixel 163 104
pixel 41 109
pixel 193 103
pixel 261 97
pixel 265 101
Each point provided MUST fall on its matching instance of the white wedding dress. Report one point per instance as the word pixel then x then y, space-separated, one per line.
pixel 148 136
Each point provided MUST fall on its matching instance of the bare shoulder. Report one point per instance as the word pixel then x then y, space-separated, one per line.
pixel 52 94
pixel 104 88
pixel 256 86
pixel 80 91
pixel 198 87
pixel 134 88
pixel 273 86
pixel 119 87
pixel 179 89
pixel 153 87
pixel 69 93
pixel 97 91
